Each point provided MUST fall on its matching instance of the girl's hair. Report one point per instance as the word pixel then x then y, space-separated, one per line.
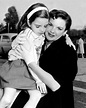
pixel 34 11
pixel 54 14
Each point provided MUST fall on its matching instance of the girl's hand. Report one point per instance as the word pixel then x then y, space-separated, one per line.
pixel 41 87
pixel 69 42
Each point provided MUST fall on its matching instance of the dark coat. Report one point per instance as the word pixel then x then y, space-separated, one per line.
pixel 60 60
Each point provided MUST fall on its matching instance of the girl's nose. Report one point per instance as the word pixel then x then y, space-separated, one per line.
pixel 43 30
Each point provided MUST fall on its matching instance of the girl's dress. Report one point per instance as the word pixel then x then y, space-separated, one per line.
pixel 14 72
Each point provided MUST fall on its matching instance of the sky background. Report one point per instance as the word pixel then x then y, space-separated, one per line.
pixel 76 8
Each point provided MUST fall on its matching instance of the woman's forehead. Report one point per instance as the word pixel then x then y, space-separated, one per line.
pixel 58 22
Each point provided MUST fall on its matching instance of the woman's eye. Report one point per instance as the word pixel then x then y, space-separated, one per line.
pixel 50 24
pixel 46 26
pixel 59 28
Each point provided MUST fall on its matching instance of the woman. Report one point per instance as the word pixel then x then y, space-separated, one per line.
pixel 59 59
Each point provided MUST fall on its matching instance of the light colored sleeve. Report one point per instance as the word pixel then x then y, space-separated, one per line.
pixel 21 37
pixel 32 56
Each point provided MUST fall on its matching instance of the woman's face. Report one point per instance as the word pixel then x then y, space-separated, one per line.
pixel 39 25
pixel 55 29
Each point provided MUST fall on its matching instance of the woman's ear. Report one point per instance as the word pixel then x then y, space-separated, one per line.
pixel 64 33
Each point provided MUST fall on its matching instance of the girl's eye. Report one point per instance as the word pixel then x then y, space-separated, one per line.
pixel 37 26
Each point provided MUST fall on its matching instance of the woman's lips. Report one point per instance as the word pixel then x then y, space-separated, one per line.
pixel 51 35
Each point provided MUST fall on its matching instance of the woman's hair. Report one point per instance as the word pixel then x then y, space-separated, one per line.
pixel 54 14
pixel 34 11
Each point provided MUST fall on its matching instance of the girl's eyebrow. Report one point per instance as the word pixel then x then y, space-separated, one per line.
pixel 37 24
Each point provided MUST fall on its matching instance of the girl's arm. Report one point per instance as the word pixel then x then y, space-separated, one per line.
pixel 44 76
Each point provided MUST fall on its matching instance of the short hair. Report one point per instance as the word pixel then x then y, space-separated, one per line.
pixel 54 14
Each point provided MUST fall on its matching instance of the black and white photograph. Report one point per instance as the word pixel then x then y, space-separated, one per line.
pixel 42 53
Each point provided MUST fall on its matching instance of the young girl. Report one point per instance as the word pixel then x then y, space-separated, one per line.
pixel 15 74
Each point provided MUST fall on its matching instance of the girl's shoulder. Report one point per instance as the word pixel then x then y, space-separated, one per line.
pixel 26 33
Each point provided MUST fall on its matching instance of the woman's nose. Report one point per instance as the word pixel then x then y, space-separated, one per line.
pixel 52 29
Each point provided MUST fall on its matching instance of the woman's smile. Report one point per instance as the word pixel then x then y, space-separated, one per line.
pixel 50 34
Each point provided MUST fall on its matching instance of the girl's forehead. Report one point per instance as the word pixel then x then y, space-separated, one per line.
pixel 39 20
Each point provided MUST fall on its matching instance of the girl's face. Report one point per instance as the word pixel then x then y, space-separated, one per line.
pixel 55 29
pixel 39 25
